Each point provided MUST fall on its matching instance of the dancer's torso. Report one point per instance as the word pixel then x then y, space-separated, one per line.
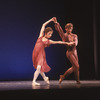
pixel 70 38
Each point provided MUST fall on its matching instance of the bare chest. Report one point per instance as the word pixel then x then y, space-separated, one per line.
pixel 71 38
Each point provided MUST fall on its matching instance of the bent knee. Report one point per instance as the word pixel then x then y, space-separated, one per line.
pixel 77 67
pixel 39 67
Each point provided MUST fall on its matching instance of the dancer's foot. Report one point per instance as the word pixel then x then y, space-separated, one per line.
pixel 35 83
pixel 78 82
pixel 47 80
pixel 61 79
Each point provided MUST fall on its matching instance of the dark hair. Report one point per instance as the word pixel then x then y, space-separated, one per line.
pixel 68 25
pixel 47 29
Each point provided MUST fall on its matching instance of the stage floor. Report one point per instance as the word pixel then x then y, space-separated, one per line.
pixel 23 90
pixel 54 84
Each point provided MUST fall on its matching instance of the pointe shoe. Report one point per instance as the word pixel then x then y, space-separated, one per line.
pixel 47 80
pixel 35 83
pixel 61 79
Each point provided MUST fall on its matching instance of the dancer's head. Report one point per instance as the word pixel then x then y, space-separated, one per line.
pixel 48 32
pixel 69 27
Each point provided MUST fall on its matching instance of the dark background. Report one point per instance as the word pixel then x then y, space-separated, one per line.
pixel 20 24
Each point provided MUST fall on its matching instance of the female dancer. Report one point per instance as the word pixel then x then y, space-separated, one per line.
pixel 38 56
pixel 71 52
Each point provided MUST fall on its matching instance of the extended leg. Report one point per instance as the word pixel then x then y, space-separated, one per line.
pixel 67 73
pixel 46 79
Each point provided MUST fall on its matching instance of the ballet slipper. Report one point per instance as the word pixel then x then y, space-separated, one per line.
pixel 35 83
pixel 61 78
pixel 47 80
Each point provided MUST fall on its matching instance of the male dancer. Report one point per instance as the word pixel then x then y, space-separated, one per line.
pixel 71 52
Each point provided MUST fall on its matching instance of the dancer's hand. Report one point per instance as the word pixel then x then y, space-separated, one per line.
pixel 54 20
pixel 70 43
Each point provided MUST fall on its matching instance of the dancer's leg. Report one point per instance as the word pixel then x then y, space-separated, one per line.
pixel 67 73
pixel 36 74
pixel 46 79
pixel 75 65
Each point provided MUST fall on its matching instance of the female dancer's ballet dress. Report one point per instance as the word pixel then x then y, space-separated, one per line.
pixel 39 56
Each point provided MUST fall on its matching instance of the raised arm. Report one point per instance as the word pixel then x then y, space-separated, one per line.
pixel 59 30
pixel 43 27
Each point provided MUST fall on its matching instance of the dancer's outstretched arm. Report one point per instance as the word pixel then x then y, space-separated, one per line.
pixel 43 26
pixel 59 29
pixel 61 42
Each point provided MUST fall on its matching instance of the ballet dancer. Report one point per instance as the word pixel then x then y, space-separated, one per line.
pixel 71 52
pixel 39 56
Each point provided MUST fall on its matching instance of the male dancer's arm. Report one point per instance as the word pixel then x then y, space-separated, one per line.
pixel 60 31
pixel 76 39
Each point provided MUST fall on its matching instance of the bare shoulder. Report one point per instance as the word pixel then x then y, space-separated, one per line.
pixel 75 35
pixel 44 39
